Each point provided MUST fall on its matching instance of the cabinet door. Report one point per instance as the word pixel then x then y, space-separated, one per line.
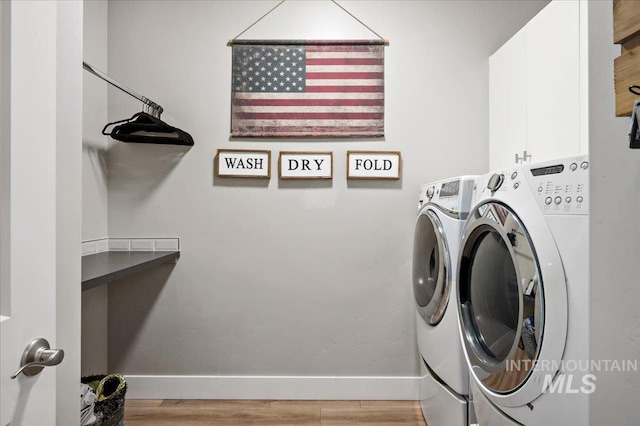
pixel 507 98
pixel 552 62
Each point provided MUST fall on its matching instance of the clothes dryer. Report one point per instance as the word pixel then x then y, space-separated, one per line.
pixel 522 294
pixel 442 209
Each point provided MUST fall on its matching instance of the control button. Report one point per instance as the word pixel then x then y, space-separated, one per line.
pixel 557 200
pixel 548 201
pixel 540 189
pixel 495 182
pixel 514 175
pixel 579 199
pixel 584 165
pixel 430 191
pixel 568 199
pixel 573 167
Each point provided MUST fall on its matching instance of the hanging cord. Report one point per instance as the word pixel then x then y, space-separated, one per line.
pixel 230 42
pixel 386 42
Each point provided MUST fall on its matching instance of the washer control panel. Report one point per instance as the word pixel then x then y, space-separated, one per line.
pixel 560 187
pixel 453 195
pixel 445 194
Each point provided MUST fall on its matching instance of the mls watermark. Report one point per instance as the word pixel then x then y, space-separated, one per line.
pixel 576 376
pixel 563 383
pixel 572 365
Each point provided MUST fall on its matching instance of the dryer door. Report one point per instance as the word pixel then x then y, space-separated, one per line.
pixel 502 303
pixel 431 268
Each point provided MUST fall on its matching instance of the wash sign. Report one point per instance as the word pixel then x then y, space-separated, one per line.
pixel 243 163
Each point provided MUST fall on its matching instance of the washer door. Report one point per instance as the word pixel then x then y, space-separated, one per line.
pixel 501 298
pixel 431 268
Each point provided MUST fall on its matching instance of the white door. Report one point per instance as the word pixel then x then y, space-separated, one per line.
pixel 512 299
pixel 508 103
pixel 534 90
pixel 553 82
pixel 39 218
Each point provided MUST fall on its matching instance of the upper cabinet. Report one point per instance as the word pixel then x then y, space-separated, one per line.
pixel 626 32
pixel 534 90
pixel 507 98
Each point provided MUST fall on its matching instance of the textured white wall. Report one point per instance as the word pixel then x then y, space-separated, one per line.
pixel 94 144
pixel 615 236
pixel 94 181
pixel 286 278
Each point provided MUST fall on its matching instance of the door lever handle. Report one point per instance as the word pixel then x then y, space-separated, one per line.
pixel 36 356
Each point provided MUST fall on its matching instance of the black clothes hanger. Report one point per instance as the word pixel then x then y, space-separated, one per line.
pixel 145 128
pixel 634 129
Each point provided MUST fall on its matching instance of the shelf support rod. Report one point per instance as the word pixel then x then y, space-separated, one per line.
pixel 155 108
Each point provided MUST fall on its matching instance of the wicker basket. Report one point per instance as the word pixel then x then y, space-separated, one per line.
pixel 109 411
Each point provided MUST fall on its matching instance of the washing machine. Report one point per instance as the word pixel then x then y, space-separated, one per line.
pixel 523 295
pixel 443 207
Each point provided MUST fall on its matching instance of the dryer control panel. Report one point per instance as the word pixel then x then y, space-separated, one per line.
pixel 560 187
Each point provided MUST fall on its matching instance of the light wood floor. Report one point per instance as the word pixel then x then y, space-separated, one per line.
pixel 186 412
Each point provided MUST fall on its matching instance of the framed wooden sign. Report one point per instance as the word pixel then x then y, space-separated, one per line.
pixel 374 165
pixel 243 163
pixel 305 165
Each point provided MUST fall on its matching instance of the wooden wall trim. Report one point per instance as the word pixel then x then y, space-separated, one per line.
pixel 626 32
pixel 626 73
pixel 626 20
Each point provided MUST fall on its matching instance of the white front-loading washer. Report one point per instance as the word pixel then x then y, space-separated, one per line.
pixel 442 209
pixel 523 295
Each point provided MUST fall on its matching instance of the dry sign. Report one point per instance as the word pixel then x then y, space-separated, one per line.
pixel 373 164
pixel 306 165
pixel 243 163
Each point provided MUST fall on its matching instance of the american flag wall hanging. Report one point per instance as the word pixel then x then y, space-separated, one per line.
pixel 307 88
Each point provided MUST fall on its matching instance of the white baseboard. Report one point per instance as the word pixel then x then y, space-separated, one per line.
pixel 273 387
